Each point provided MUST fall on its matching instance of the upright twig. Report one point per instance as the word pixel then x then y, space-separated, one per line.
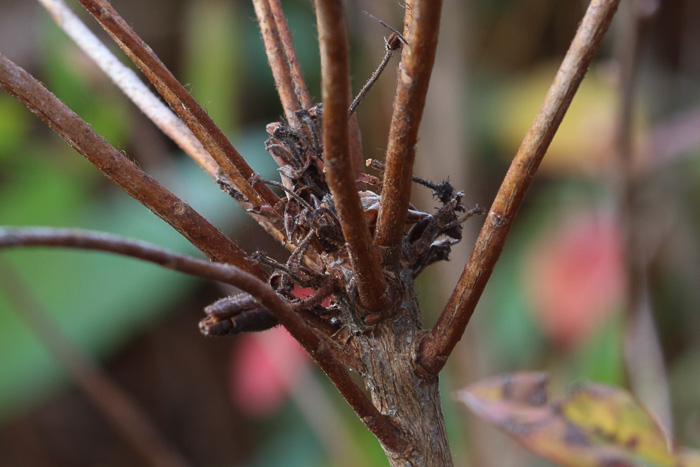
pixel 275 50
pixel 120 169
pixel 414 77
pixel 644 362
pixel 115 405
pixel 130 84
pixel 300 88
pixel 393 43
pixel 377 423
pixel 182 102
pixel 335 75
pixel 437 344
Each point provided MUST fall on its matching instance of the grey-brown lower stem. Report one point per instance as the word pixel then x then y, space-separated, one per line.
pixel 413 403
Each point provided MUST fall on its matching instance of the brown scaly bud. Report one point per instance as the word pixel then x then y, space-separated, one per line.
pixel 236 314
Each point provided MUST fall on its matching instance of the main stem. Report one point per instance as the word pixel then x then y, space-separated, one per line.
pixel 410 401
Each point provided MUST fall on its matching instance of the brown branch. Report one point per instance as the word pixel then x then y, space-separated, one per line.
pixel 275 51
pixel 437 345
pixel 297 75
pixel 120 169
pixel 130 85
pixel 408 19
pixel 377 423
pixel 286 70
pixel 115 404
pixel 142 97
pixel 414 77
pixel 335 76
pixel 187 108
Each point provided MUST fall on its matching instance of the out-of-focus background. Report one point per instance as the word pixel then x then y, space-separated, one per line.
pixel 555 302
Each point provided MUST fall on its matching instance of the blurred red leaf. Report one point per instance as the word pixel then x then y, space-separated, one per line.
pixel 595 425
pixel 574 276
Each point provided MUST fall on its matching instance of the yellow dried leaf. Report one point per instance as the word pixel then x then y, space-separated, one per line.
pixel 594 426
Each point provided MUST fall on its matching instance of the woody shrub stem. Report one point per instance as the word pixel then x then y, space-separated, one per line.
pixel 414 77
pixel 122 171
pixel 182 103
pixel 335 75
pixel 436 346
pixel 376 422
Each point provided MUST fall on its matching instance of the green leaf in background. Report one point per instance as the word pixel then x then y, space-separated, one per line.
pixel 595 425
pixel 13 127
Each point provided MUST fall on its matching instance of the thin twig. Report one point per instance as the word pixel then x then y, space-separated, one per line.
pixel 115 404
pixel 437 345
pixel 142 96
pixel 300 88
pixel 390 28
pixel 369 278
pixel 392 44
pixel 275 51
pixel 289 191
pixel 435 186
pixel 375 421
pixel 414 77
pixel 130 84
pixel 182 102
pixel 120 169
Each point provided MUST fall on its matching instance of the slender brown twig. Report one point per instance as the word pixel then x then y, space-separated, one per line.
pixel 300 88
pixel 275 51
pixel 437 344
pixel 130 85
pixel 414 77
pixel 141 95
pixel 130 178
pixel 182 102
pixel 392 44
pixel 335 75
pixel 389 27
pixel 115 404
pixel 375 421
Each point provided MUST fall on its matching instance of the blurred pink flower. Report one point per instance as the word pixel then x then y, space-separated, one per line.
pixel 265 366
pixel 574 276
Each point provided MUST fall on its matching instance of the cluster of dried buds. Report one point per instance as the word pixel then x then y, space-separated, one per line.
pixel 319 260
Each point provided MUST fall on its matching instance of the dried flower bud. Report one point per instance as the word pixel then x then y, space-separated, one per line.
pixel 233 315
